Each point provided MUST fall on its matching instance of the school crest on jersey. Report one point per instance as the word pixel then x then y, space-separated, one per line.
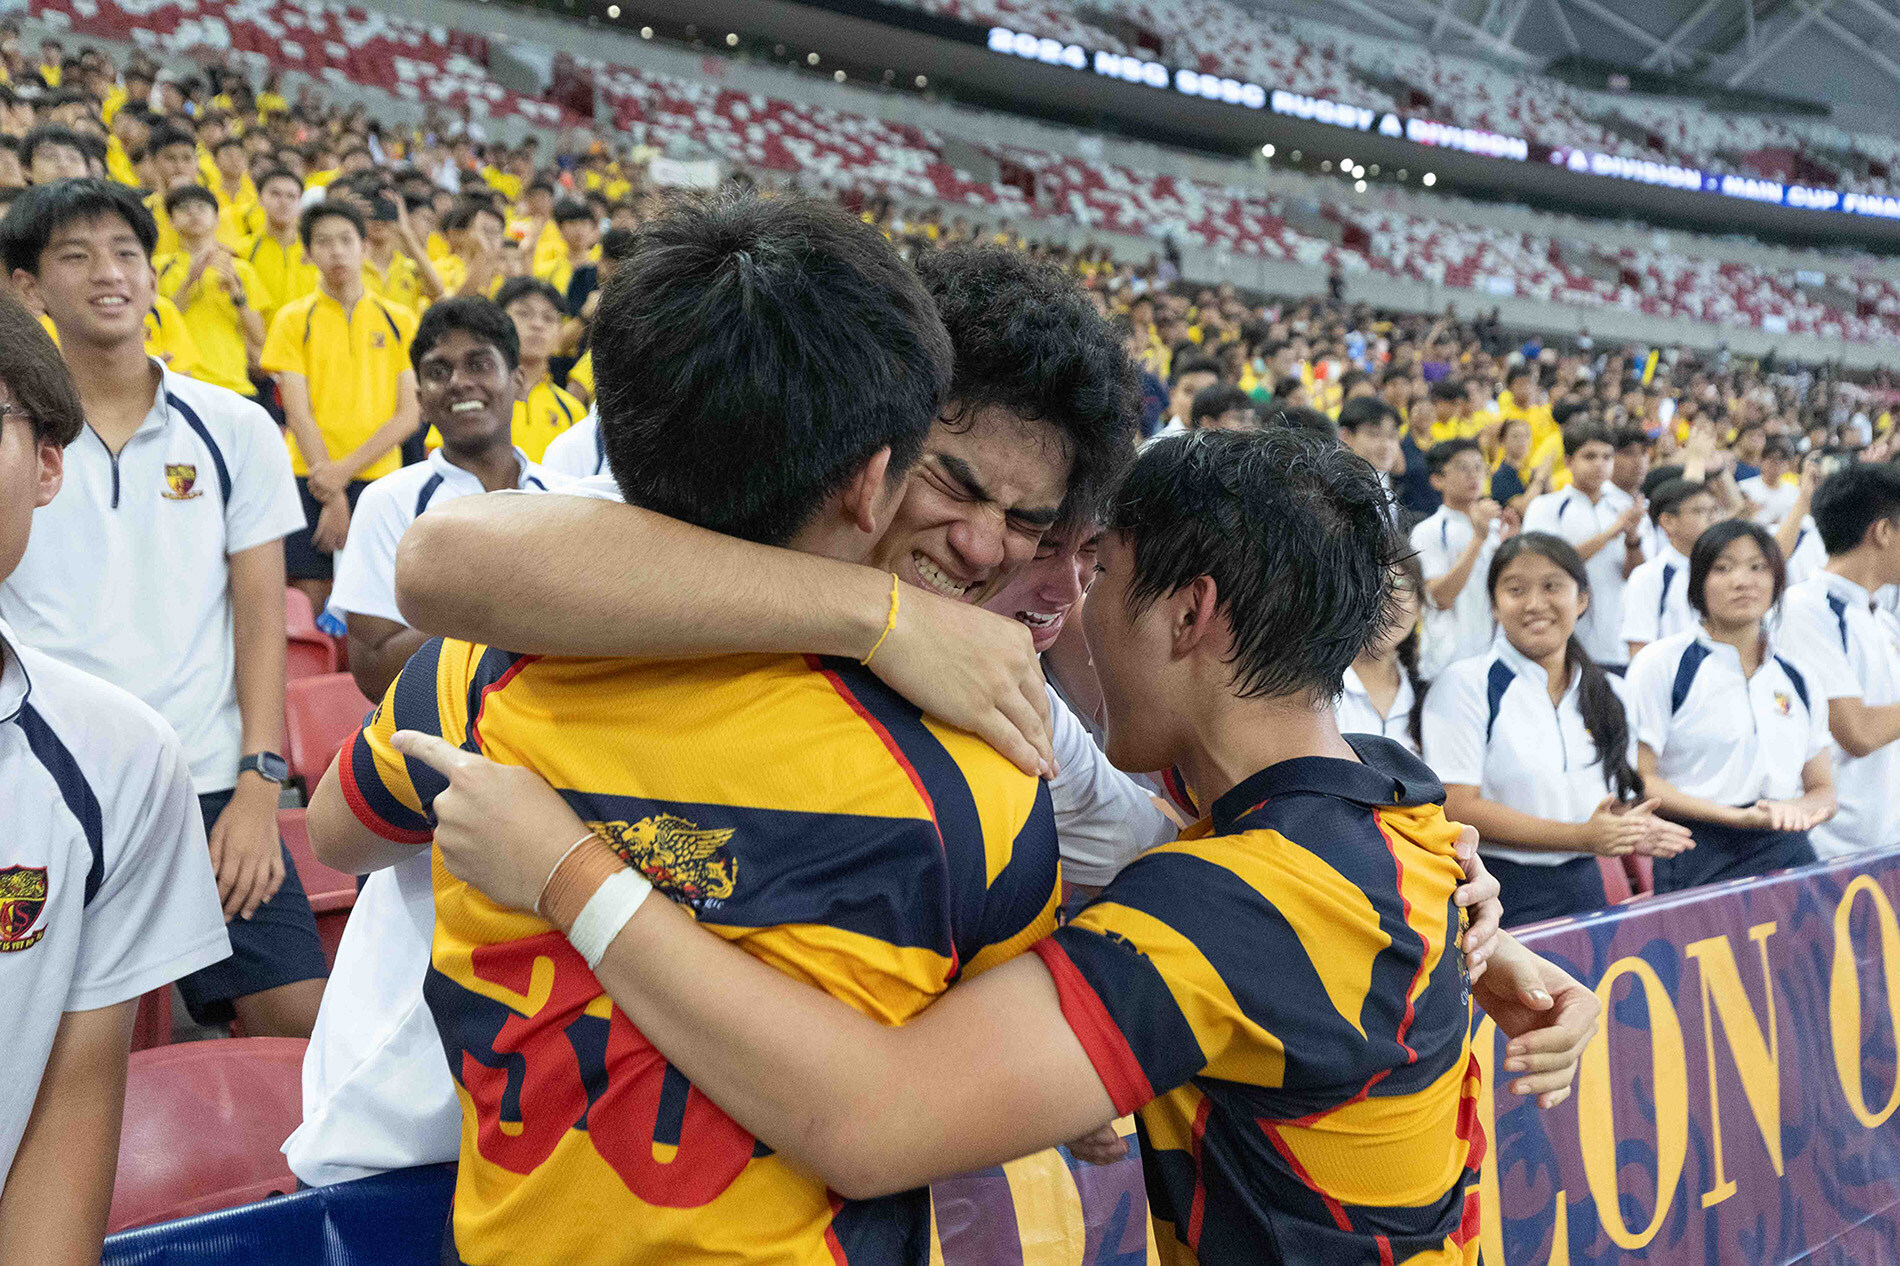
pixel 22 897
pixel 688 863
pixel 180 478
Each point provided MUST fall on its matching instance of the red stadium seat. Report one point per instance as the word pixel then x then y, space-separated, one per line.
pixel 1642 875
pixel 203 1124
pixel 332 893
pixel 1616 883
pixel 153 1027
pixel 309 651
pixel 320 715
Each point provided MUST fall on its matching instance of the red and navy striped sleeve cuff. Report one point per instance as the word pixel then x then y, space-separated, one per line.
pixel 1102 1039
pixel 371 802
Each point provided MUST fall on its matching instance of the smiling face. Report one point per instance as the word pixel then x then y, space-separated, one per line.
pixel 467 392
pixel 95 281
pixel 1045 591
pixel 976 506
pixel 1538 605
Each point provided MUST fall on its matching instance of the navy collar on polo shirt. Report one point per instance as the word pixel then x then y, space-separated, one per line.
pixel 1384 776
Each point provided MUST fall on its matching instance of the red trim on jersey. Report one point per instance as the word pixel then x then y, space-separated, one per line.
pixel 1115 1063
pixel 359 804
pixel 1468 1229
pixel 475 725
pixel 1172 783
pixel 903 762
pixel 1385 1250
pixel 1272 1130
pixel 1470 1128
pixel 1405 1021
pixel 1199 1205
pixel 838 1256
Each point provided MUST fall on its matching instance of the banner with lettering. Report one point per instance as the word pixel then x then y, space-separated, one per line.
pixel 1737 1106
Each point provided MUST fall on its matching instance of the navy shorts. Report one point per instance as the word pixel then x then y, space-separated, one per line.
pixel 277 945
pixel 1531 894
pixel 1726 852
pixel 302 559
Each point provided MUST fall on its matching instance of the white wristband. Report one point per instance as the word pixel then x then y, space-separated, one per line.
pixel 606 912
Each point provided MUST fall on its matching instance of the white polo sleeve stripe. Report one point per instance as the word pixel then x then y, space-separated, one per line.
pixel 73 789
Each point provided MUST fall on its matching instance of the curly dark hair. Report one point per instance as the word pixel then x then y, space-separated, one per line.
pixel 1293 530
pixel 1027 339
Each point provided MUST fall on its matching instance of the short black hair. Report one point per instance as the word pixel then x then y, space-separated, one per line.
pixel 34 374
pixel 1779 447
pixel 1440 455
pixel 189 193
pixel 1669 496
pixel 49 134
pixel 1303 418
pixel 1293 530
pixel 617 244
pixel 44 210
pixel 1027 340
pixel 231 139
pixel 1367 411
pixel 1193 363
pixel 279 173
pixel 541 184
pixel 567 210
pixel 473 315
pixel 166 135
pixel 519 287
pixel 1448 389
pixel 1852 500
pixel 754 353
pixel 328 209
pixel 1211 402
pixel 1577 434
pixel 1709 547
pixel 1629 437
pixel 1564 410
pixel 1287 386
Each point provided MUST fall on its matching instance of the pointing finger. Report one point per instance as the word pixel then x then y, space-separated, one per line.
pixel 444 758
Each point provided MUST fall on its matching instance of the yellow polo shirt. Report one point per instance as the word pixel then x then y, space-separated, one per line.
pixel 581 377
pixel 238 223
pixel 543 415
pixel 119 163
pixel 282 269
pixel 169 338
pixel 167 235
pixel 401 281
pixel 352 362
pixel 215 323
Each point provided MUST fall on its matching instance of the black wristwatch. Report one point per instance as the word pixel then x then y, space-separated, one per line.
pixel 267 765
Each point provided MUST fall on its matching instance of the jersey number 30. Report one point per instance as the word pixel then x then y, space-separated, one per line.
pixel 537 1072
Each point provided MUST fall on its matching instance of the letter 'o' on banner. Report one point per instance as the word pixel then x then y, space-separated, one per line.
pixel 1844 996
pixel 1596 1122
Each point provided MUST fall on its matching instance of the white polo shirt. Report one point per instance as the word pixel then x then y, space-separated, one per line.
pixel 1463 629
pixel 1571 515
pixel 1809 557
pixel 1489 724
pixel 127 573
pixel 366 569
pixel 579 451
pixel 377 1094
pixel 1356 713
pixel 1720 735
pixel 1851 647
pixel 1656 599
pixel 106 889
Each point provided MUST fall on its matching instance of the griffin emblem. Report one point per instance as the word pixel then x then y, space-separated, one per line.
pixel 687 862
pixel 23 892
pixel 180 477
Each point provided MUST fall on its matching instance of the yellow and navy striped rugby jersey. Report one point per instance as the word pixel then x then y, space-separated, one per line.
pixel 800 809
pixel 1284 993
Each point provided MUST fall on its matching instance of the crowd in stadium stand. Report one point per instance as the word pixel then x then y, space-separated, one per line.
pixel 1645 637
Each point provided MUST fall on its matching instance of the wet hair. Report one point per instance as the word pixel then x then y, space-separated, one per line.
pixel 43 210
pixel 1852 500
pixel 1303 418
pixel 1027 340
pixel 33 372
pixel 753 354
pixel 1292 529
pixel 475 316
pixel 1709 547
pixel 1602 710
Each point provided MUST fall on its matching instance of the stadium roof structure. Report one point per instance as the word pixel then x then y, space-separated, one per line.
pixel 1789 48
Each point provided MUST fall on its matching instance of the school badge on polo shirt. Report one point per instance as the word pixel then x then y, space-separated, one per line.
pixel 180 478
pixel 1784 702
pixel 685 861
pixel 22 896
